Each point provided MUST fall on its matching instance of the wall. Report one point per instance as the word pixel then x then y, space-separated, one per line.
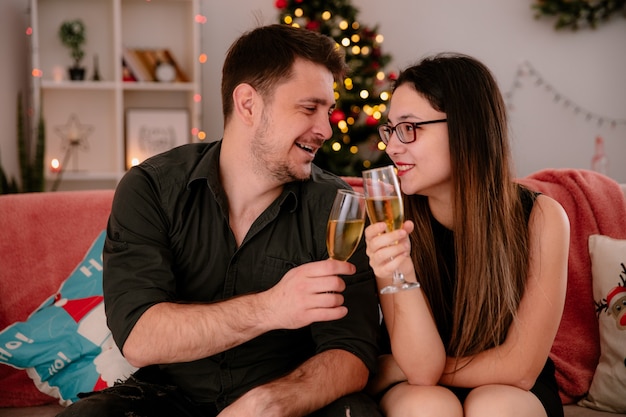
pixel 584 67
pixel 13 77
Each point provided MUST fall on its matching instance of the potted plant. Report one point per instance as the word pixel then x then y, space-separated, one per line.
pixel 72 35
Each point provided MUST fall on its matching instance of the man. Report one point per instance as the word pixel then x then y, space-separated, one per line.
pixel 217 281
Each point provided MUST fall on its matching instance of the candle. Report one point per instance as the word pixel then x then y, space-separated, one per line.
pixel 58 74
pixel 55 166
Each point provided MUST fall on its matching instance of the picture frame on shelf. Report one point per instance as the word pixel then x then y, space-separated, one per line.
pixel 153 131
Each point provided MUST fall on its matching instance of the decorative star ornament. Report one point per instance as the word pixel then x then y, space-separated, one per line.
pixel 74 134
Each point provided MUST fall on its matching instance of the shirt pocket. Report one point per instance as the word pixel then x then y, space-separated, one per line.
pixel 272 271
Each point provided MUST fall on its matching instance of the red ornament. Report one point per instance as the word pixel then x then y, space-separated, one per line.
pixel 313 25
pixel 371 121
pixel 392 76
pixel 336 116
pixel 281 4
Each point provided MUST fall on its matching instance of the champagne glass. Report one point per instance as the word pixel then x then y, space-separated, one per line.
pixel 384 204
pixel 345 224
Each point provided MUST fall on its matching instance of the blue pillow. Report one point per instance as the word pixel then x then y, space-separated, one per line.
pixel 65 345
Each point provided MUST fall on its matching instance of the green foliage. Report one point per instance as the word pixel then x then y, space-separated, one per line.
pixel 355 144
pixel 578 13
pixel 30 160
pixel 72 35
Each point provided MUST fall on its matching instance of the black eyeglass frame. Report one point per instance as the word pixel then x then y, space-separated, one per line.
pixel 391 129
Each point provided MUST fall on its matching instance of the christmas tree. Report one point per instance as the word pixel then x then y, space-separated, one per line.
pixel 362 98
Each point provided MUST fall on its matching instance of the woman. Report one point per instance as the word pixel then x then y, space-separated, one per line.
pixel 491 256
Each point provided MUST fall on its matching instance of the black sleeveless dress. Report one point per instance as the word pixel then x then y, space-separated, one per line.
pixel 545 388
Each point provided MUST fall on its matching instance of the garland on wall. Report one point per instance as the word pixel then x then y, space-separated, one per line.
pixel 575 14
pixel 526 72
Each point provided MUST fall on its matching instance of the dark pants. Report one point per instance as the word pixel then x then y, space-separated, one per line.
pixel 138 397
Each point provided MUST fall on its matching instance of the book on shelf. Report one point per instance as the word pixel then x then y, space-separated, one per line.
pixel 142 63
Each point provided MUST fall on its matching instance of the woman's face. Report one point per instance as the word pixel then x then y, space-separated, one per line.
pixel 423 165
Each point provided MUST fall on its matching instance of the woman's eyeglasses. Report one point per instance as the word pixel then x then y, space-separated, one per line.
pixel 404 130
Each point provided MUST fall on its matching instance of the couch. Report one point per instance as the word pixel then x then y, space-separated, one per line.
pixel 45 236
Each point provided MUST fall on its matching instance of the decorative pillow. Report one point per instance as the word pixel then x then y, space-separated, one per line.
pixel 608 267
pixel 65 345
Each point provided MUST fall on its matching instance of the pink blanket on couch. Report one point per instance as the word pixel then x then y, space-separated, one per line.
pixel 595 204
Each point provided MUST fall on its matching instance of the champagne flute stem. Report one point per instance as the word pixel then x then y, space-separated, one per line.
pixel 397 278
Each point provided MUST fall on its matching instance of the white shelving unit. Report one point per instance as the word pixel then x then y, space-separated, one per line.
pixel 99 107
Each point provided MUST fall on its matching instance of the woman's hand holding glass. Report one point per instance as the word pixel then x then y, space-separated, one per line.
pixel 384 205
pixel 389 252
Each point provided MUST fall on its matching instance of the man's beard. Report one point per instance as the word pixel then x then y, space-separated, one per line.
pixel 267 162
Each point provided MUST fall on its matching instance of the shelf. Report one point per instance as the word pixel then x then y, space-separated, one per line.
pixel 155 86
pixel 78 85
pixel 97 109
pixel 85 176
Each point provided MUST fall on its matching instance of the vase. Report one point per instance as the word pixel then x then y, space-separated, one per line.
pixel 76 73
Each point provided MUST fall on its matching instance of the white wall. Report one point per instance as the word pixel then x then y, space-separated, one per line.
pixel 13 76
pixel 587 67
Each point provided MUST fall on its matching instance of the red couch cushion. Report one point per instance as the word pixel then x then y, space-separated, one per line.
pixel 44 236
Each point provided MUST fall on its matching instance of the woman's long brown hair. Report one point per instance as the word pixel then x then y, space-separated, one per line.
pixel 490 227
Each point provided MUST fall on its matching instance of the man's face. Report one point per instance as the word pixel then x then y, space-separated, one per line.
pixel 294 123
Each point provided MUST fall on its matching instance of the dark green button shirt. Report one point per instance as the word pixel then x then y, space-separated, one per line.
pixel 169 240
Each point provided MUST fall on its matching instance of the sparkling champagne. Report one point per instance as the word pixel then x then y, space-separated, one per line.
pixel 342 237
pixel 386 209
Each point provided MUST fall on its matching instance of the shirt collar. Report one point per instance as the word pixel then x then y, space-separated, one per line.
pixel 208 170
